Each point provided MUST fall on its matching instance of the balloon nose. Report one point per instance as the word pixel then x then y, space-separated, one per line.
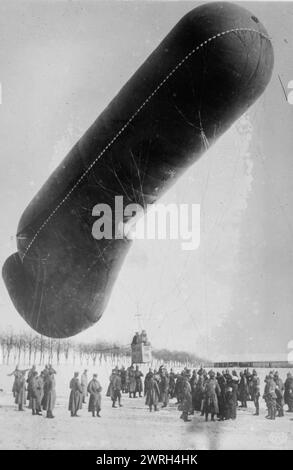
pixel 14 277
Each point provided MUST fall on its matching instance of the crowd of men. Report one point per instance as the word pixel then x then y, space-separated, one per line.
pixel 38 389
pixel 210 393
pixel 218 394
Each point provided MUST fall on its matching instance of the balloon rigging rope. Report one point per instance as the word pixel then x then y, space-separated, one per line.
pixel 125 126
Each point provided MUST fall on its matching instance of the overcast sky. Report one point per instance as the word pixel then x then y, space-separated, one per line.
pixel 61 63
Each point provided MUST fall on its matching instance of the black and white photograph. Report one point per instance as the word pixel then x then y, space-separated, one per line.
pixel 146 182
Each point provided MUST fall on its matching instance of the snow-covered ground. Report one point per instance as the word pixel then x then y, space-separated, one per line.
pixel 133 426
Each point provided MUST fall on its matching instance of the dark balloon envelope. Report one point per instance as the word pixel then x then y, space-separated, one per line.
pixel 207 72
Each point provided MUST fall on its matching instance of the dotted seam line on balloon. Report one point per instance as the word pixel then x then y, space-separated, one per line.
pixel 193 51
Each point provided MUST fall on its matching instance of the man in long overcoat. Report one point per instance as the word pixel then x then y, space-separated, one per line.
pixel 138 382
pixel 231 395
pixel 172 383
pixel 84 384
pixel 30 375
pixel 178 387
pixel 270 396
pixel 152 392
pixel 36 393
pixel 255 391
pixel 186 402
pixel 20 395
pixel 132 382
pixel 116 389
pixel 288 395
pixel 94 389
pixel 280 394
pixel 17 373
pixel 222 397
pixel 164 388
pixel 211 393
pixel 49 403
pixel 123 379
pixel 199 392
pixel 243 390
pixel 75 398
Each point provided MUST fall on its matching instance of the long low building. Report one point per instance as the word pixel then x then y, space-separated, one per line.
pixel 255 364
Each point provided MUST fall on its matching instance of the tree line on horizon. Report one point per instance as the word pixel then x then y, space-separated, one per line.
pixel 33 348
